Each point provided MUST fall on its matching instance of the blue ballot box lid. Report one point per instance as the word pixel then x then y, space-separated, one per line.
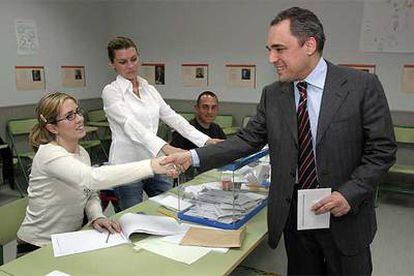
pixel 245 160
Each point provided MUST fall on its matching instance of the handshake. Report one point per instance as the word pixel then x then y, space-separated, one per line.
pixel 177 160
pixel 172 165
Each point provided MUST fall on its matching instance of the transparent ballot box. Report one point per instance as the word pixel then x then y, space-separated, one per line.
pixel 236 193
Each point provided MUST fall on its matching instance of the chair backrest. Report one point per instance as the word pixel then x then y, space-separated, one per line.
pixel 164 132
pixel 404 134
pixel 21 126
pixel 11 217
pixel 18 131
pixel 187 115
pixel 224 121
pixel 97 115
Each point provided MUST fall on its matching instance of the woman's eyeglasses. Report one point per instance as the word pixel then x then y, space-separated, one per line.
pixel 71 115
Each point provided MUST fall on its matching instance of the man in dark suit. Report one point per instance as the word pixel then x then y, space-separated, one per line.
pixel 334 120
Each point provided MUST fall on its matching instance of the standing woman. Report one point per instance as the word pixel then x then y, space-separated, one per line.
pixel 133 108
pixel 62 183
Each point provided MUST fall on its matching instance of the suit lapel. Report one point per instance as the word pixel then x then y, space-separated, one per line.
pixel 334 94
pixel 288 107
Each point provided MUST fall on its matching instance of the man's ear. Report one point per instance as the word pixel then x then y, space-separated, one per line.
pixel 310 45
pixel 51 128
pixel 111 65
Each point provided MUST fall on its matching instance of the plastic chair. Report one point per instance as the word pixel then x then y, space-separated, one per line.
pixel 11 217
pixel 18 132
pixel 97 118
pixel 164 131
pixel 93 145
pixel 187 115
pixel 226 123
pixel 404 136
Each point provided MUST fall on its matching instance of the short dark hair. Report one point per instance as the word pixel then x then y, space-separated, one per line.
pixel 118 43
pixel 206 93
pixel 303 24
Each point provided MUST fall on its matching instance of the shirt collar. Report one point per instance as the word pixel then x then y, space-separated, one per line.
pixel 318 75
pixel 127 85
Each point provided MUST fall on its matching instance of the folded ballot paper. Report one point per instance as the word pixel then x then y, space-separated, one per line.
pixel 83 241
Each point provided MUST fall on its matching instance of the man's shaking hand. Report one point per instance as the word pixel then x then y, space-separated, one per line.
pixel 182 160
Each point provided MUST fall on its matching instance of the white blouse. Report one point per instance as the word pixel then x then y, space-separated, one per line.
pixel 63 185
pixel 134 121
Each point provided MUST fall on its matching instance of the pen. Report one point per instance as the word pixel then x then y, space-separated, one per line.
pixel 107 237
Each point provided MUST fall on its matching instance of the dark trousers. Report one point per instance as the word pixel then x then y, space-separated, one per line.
pixel 314 252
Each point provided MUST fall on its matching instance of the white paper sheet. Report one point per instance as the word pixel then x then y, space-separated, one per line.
pixel 176 239
pixel 180 253
pixel 307 219
pixel 171 202
pixel 57 273
pixel 83 241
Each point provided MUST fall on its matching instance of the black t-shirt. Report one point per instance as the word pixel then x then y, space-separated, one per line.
pixel 214 131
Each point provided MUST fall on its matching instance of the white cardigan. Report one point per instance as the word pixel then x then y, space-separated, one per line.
pixel 63 185
pixel 134 121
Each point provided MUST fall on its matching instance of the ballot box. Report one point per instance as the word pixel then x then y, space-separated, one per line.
pixel 239 191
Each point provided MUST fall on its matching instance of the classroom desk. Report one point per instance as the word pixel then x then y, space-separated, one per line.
pixel 124 260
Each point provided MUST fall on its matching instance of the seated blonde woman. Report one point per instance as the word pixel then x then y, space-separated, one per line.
pixel 63 185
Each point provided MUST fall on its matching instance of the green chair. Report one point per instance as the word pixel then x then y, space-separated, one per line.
pixel 18 132
pixel 187 115
pixel 226 123
pixel 164 132
pixel 97 118
pixel 93 145
pixel 404 136
pixel 11 217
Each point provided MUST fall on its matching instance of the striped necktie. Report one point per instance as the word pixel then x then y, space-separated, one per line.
pixel 307 177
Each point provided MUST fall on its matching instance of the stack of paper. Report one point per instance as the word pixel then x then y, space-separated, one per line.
pixel 154 225
pixel 224 206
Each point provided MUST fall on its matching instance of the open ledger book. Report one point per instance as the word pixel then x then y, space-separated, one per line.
pixel 83 241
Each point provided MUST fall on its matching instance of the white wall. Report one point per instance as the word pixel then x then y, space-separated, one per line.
pixel 69 34
pixel 220 32
pixel 175 32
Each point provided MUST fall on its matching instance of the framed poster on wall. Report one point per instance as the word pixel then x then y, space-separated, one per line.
pixel 241 75
pixel 194 74
pixel 30 77
pixel 154 73
pixel 73 76
pixel 408 79
pixel 370 68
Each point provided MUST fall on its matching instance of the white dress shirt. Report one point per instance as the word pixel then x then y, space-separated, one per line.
pixel 316 83
pixel 63 185
pixel 134 121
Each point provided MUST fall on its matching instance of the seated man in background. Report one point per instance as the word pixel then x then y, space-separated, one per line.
pixel 206 110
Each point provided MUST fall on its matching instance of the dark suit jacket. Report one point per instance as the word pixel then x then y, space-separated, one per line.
pixel 355 146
